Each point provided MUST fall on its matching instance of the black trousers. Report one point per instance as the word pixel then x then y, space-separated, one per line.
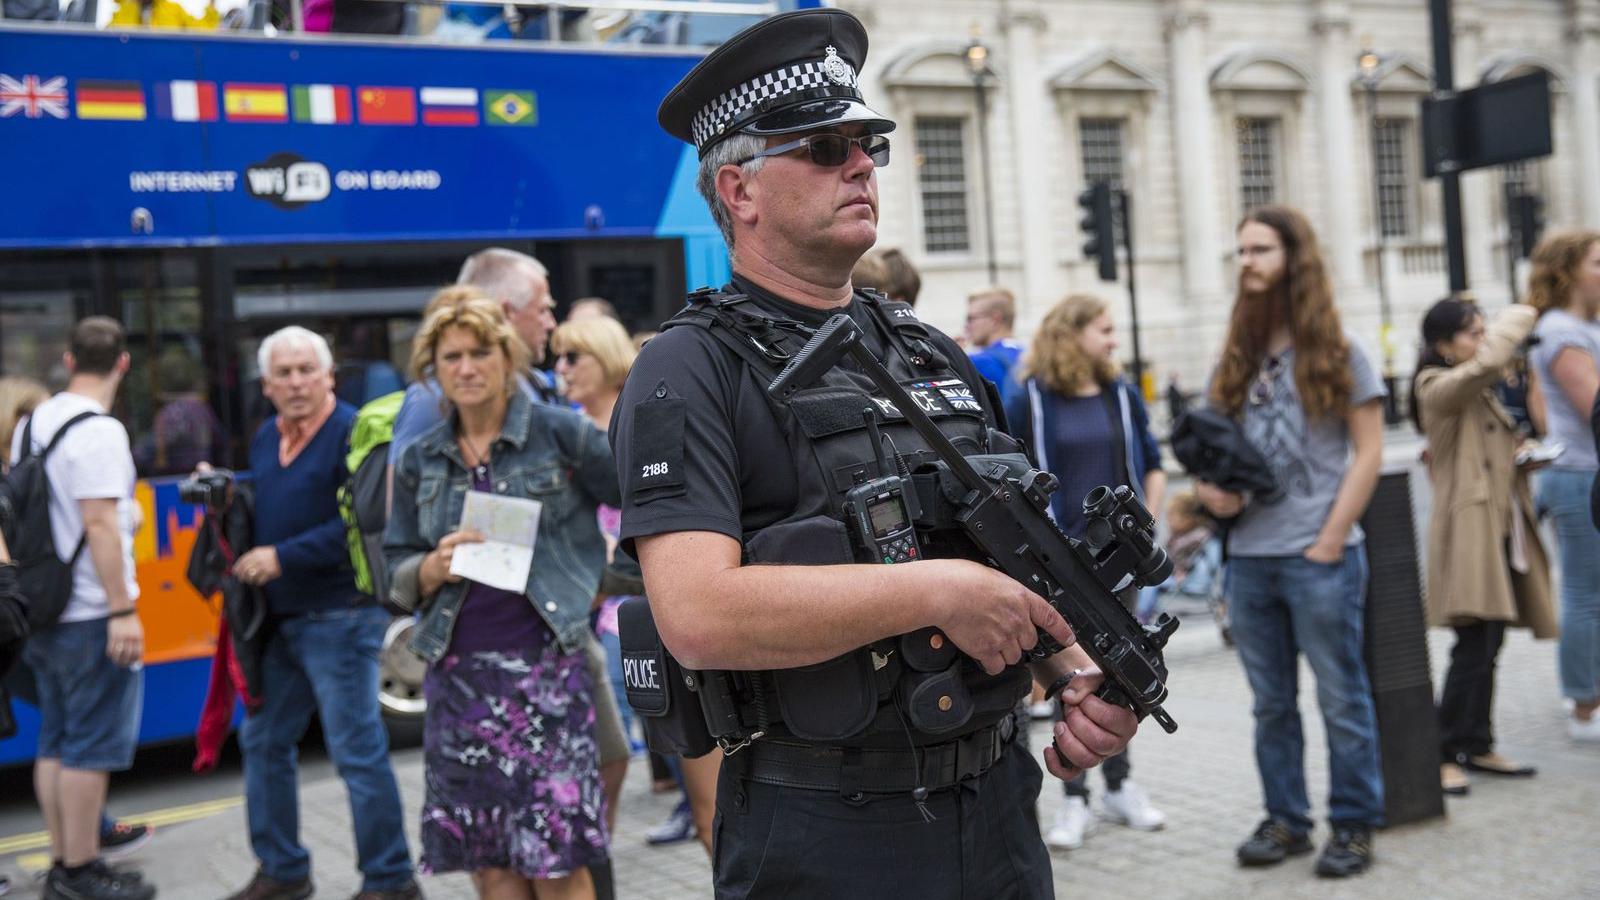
pixel 782 842
pixel 1115 768
pixel 1467 701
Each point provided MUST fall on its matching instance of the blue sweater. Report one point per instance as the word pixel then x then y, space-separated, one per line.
pixel 297 511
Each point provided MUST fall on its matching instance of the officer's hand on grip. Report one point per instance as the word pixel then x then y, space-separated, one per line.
pixel 992 618
pixel 1091 730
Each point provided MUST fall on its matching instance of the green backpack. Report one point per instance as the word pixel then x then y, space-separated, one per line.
pixel 364 497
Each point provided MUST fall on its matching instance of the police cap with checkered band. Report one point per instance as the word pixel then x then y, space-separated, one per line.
pixel 792 72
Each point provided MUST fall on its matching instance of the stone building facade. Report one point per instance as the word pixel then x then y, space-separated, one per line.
pixel 1201 108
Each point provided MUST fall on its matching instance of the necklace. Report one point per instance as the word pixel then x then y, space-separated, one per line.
pixel 482 467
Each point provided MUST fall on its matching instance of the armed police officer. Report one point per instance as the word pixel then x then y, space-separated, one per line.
pixel 865 757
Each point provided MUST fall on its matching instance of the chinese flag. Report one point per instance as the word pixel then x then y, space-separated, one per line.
pixel 387 105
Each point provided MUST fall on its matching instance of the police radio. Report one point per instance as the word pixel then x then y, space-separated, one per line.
pixel 881 509
pixel 881 516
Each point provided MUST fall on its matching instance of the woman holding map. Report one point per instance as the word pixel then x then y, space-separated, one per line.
pixel 502 494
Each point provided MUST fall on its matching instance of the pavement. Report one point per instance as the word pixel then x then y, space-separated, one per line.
pixel 1510 838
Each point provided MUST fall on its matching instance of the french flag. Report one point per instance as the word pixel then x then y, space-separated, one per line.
pixel 449 106
pixel 186 101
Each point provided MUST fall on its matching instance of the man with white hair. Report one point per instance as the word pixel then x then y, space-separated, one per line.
pixel 322 653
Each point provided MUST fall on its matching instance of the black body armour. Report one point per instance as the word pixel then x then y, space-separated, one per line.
pixel 916 687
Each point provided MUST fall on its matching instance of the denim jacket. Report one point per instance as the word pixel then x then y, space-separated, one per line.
pixel 544 452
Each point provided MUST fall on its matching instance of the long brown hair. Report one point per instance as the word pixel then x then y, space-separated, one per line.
pixel 1056 358
pixel 1555 268
pixel 1303 302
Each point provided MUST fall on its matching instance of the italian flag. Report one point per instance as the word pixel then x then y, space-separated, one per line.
pixel 322 104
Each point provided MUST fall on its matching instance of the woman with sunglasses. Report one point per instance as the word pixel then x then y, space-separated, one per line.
pixel 1486 565
pixel 1310 401
pixel 513 790
pixel 1088 426
pixel 593 357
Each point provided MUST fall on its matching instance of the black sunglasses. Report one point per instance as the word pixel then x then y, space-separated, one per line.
pixel 571 356
pixel 831 150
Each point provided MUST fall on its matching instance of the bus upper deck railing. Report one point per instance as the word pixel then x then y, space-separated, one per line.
pixel 616 23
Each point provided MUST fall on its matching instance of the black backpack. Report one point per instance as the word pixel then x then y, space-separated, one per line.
pixel 45 579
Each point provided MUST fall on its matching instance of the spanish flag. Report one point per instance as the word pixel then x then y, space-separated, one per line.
pixel 255 102
pixel 111 100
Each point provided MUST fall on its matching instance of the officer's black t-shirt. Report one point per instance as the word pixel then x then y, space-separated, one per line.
pixel 735 473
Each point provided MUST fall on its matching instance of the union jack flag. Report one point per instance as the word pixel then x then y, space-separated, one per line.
pixel 32 97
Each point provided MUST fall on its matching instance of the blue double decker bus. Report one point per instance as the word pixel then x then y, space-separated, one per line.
pixel 206 189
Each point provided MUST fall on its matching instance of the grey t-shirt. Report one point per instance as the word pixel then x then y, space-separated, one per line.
pixel 1557 330
pixel 1308 459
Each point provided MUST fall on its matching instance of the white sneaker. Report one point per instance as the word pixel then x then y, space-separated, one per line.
pixel 1074 822
pixel 1044 709
pixel 1129 806
pixel 1586 732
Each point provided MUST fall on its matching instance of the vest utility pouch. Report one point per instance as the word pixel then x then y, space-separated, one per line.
pixel 831 700
pixel 937 703
pixel 655 685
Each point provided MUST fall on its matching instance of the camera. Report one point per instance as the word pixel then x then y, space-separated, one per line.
pixel 210 490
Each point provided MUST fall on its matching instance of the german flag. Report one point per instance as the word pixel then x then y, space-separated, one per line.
pixel 122 100
pixel 255 102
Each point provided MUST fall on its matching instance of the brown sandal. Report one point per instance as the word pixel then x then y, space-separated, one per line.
pixel 1453 779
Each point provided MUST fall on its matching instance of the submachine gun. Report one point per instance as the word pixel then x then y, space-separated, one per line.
pixel 1003 511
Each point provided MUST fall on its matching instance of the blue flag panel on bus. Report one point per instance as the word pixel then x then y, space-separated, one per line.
pixel 226 140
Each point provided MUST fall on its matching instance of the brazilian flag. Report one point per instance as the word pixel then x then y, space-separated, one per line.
pixel 510 108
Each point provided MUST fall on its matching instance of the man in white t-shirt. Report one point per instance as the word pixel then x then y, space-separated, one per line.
pixel 87 665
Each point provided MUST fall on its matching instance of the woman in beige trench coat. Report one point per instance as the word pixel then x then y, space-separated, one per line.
pixel 1486 567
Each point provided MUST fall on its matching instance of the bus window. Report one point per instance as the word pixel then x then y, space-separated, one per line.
pixel 167 399
pixel 40 298
pixel 364 300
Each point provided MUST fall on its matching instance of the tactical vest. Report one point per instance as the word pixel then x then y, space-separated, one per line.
pixel 918 686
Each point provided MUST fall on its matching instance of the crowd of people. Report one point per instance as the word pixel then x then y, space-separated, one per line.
pixel 528 732
pixel 653 455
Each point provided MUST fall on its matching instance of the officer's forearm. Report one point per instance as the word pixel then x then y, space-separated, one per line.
pixel 1047 670
pixel 714 613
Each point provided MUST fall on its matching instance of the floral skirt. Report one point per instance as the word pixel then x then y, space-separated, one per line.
pixel 512 768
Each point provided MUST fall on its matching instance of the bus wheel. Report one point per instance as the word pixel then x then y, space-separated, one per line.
pixel 400 674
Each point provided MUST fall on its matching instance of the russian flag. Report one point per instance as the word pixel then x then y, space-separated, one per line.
pixel 449 106
pixel 186 101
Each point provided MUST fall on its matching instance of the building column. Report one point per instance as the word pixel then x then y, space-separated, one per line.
pixel 1030 115
pixel 1192 146
pixel 1336 65
pixel 1583 42
pixel 1480 189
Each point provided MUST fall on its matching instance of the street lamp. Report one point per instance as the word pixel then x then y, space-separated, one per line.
pixel 978 65
pixel 1368 63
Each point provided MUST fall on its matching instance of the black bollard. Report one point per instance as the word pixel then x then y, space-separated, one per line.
pixel 1397 656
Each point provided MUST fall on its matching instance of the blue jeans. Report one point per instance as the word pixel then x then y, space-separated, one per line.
pixel 1564 494
pixel 327 662
pixel 1283 606
pixel 89 707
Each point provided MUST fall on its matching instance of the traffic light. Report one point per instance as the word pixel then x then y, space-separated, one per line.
pixel 1527 220
pixel 1099 228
